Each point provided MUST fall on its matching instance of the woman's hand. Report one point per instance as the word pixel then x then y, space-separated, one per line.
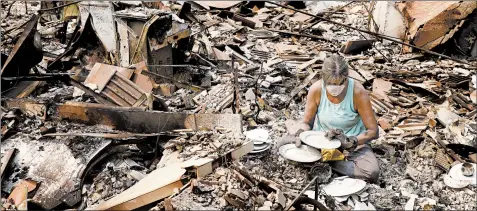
pixel 289 139
pixel 347 142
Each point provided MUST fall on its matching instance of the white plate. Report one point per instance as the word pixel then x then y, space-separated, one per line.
pixel 456 173
pixel 303 154
pixel 258 135
pixel 318 140
pixel 344 186
pixel 454 183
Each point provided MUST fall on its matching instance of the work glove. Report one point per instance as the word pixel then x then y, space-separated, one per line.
pixel 289 139
pixel 348 143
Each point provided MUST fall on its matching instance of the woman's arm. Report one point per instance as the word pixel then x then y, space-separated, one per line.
pixel 312 103
pixel 363 105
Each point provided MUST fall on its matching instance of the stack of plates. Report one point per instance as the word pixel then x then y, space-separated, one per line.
pixel 260 138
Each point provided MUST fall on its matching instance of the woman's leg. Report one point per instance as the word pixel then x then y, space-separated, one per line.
pixel 361 164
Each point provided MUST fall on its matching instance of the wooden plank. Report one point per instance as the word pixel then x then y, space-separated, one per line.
pixel 100 75
pixel 205 166
pixel 144 82
pixel 302 85
pixel 157 185
pixel 307 64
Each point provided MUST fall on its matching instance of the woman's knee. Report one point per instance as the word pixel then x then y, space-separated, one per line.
pixel 368 168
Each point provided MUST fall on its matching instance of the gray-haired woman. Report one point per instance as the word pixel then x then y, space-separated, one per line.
pixel 338 105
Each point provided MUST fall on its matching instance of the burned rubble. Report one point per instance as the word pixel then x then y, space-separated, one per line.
pixel 181 105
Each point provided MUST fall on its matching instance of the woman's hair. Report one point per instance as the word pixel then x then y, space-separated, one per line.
pixel 335 67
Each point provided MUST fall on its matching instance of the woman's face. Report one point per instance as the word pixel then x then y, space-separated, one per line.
pixel 336 86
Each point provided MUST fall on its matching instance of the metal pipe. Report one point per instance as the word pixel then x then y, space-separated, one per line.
pixel 301 193
pixel 371 33
pixel 316 194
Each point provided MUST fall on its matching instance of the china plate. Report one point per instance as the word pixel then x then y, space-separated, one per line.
pixel 456 173
pixel 344 186
pixel 258 136
pixel 454 183
pixel 318 140
pixel 302 154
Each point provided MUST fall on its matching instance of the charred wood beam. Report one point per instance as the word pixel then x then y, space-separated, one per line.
pixel 372 33
pixel 7 157
pixel 130 119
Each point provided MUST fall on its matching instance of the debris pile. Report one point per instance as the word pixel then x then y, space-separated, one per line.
pixel 181 105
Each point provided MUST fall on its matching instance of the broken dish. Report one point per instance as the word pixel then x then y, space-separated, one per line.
pixel 302 154
pixel 318 140
pixel 258 136
pixel 455 183
pixel 344 186
pixel 456 173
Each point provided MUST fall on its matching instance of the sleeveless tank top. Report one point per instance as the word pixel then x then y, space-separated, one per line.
pixel 339 116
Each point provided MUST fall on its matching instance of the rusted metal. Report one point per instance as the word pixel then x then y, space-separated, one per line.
pixel 28 46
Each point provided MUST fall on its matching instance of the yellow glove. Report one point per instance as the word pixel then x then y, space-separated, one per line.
pixel 331 155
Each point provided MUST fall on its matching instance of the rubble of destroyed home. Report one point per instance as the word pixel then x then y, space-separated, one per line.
pixel 166 105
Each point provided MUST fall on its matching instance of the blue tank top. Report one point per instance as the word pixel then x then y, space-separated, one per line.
pixel 339 116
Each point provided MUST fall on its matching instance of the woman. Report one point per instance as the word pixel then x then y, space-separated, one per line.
pixel 341 107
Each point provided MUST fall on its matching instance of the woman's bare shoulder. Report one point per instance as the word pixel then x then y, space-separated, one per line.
pixel 359 89
pixel 315 91
pixel 316 87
